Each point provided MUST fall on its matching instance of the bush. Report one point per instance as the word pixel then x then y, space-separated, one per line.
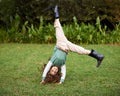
pixel 89 34
pixel 75 32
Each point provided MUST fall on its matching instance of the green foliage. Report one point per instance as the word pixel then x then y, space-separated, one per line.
pixel 41 34
pixel 89 34
pixel 75 32
pixel 84 10
pixel 114 36
pixel 7 10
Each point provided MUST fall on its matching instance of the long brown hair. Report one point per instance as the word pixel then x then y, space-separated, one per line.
pixel 52 79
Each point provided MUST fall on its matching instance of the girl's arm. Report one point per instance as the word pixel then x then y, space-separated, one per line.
pixel 47 68
pixel 63 71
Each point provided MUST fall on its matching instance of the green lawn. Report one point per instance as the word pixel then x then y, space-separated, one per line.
pixel 20 73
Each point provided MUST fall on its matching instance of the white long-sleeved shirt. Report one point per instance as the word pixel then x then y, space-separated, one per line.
pixel 47 68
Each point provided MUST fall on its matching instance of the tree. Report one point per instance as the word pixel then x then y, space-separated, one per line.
pixel 83 10
pixel 7 10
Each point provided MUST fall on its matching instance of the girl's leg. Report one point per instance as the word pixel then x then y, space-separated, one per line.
pixel 61 39
pixel 78 49
pixel 63 43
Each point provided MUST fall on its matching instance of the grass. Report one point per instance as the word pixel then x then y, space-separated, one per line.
pixel 19 74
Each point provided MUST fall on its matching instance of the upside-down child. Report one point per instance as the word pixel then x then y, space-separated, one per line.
pixel 55 70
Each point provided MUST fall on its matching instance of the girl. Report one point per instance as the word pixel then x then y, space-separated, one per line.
pixel 55 70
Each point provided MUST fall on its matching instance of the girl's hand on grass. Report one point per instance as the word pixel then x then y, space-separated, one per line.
pixel 42 82
pixel 59 83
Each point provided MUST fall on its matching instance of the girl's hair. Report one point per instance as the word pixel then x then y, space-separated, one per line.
pixel 52 79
